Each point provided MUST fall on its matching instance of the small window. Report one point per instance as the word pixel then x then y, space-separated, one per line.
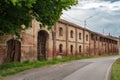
pixel 80 48
pixel 60 31
pixel 60 48
pixel 86 37
pixel 71 48
pixel 71 33
pixel 80 36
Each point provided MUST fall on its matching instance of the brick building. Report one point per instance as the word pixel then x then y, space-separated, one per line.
pixel 64 39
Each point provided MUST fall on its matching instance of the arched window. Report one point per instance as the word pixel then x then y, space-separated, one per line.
pixel 71 48
pixel 60 48
pixel 80 36
pixel 86 37
pixel 71 33
pixel 60 31
pixel 80 48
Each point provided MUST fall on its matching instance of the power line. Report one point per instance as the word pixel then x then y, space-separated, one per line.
pixel 72 17
pixel 85 20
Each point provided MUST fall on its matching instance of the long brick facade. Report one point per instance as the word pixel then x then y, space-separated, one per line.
pixel 64 39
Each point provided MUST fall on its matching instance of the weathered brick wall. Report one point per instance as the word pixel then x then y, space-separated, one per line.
pixel 63 43
pixel 3 47
pixel 81 45
pixel 2 53
pixel 71 41
pixel 79 31
pixel 27 52
pixel 80 52
pixel 80 41
pixel 71 28
pixel 86 34
pixel 63 36
pixel 30 41
pixel 60 39
pixel 86 42
pixel 76 41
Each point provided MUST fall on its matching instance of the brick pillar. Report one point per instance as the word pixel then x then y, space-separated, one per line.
pixel 67 40
pixel 54 40
pixel 94 45
pixel 76 42
pixel 83 41
pixel 99 45
pixel 89 44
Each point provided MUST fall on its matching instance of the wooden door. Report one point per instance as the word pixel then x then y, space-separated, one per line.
pixel 13 50
pixel 42 45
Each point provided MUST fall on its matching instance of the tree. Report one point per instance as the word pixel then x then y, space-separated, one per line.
pixel 14 13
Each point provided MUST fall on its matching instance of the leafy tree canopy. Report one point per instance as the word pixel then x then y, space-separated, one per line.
pixel 14 13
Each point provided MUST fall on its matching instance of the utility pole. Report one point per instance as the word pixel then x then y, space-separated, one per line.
pixel 85 20
pixel 103 31
pixel 84 23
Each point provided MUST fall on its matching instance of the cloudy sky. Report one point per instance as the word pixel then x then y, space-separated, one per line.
pixel 101 16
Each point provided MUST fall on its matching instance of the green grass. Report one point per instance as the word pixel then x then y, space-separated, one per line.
pixel 13 68
pixel 116 70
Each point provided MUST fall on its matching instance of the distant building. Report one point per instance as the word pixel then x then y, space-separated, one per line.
pixel 64 39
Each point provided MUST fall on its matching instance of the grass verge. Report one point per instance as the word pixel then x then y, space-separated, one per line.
pixel 115 75
pixel 13 68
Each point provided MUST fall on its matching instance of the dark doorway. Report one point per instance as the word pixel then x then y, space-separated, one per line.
pixel 13 50
pixel 42 44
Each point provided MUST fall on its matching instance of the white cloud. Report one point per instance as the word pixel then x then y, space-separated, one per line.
pixel 106 15
pixel 107 5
